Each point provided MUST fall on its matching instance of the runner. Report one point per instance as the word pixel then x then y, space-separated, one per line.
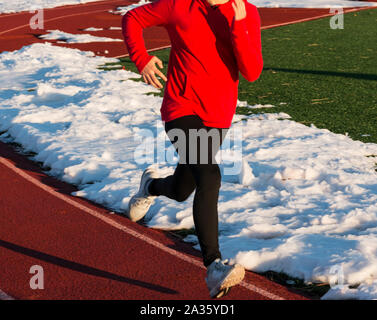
pixel 212 41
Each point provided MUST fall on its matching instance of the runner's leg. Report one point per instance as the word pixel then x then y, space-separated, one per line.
pixel 206 178
pixel 177 186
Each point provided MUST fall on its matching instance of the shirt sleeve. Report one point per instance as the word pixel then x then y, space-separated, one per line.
pixel 134 21
pixel 247 45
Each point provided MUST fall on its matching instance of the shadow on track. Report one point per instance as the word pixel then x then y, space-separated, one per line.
pixel 82 268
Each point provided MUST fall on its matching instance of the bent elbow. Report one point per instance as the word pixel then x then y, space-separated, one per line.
pixel 251 77
pixel 125 21
pixel 253 74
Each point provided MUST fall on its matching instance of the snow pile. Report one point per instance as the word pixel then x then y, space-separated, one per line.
pixel 8 6
pixel 123 10
pixel 365 291
pixel 303 201
pixel 93 29
pixel 256 106
pixel 75 38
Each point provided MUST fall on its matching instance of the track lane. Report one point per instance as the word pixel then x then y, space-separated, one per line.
pixel 88 253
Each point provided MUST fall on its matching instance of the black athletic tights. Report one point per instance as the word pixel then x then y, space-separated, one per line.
pixel 204 176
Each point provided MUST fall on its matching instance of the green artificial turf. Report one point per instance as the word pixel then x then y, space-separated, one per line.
pixel 316 74
pixel 327 77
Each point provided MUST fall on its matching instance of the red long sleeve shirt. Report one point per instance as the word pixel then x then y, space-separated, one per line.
pixel 208 49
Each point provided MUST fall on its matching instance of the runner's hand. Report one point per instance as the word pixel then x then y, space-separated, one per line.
pixel 150 71
pixel 239 9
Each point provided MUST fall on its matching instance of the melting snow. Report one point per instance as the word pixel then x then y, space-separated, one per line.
pixel 303 202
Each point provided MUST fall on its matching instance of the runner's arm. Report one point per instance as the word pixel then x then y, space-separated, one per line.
pixel 137 19
pixel 247 46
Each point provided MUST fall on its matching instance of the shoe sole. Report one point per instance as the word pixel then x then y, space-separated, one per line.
pixel 232 279
pixel 223 293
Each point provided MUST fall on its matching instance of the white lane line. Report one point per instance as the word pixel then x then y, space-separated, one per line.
pixel 54 19
pixel 62 7
pixel 127 230
pixel 4 296
pixel 148 50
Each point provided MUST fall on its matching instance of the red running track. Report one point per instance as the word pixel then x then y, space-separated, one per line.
pixel 15 31
pixel 86 252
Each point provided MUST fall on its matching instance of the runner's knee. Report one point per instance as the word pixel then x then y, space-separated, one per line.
pixel 209 176
pixel 182 196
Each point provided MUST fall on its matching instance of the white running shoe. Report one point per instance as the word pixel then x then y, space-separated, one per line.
pixel 221 276
pixel 141 202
